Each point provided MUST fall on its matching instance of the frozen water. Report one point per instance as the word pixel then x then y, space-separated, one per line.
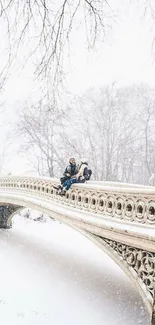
pixel 50 274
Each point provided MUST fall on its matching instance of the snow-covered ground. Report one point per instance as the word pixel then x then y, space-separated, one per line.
pixel 52 275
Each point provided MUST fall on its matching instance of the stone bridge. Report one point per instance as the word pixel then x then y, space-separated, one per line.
pixel 119 218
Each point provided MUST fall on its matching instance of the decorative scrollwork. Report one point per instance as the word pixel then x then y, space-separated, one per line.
pixel 126 203
pixel 139 261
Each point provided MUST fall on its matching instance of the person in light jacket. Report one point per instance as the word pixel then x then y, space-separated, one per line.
pixel 84 172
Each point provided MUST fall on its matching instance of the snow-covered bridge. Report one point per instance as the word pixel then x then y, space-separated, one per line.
pixel 119 218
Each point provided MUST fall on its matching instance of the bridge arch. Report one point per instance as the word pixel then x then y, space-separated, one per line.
pixel 101 243
pixel 120 220
pixel 97 240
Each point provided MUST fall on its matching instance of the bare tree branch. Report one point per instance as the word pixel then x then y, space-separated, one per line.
pixel 47 28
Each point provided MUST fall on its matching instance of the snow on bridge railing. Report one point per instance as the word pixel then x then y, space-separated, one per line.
pixel 117 184
pixel 123 225
pixel 128 202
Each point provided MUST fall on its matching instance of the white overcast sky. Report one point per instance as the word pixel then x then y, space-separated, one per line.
pixel 125 57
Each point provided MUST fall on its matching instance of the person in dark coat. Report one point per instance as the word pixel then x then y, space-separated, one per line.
pixel 70 171
pixel 68 178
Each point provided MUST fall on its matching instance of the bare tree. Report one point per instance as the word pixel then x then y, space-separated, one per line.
pixel 146 116
pixel 99 128
pixel 146 14
pixel 44 29
pixel 5 152
pixel 40 128
pixel 108 131
pixel 113 127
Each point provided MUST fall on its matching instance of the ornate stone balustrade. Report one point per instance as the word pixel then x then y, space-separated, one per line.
pixel 133 204
pixel 120 218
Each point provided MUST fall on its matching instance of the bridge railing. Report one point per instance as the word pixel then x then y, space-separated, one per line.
pixel 121 220
pixel 131 203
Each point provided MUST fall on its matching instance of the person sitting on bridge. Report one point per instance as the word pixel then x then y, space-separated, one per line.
pixel 68 177
pixel 83 174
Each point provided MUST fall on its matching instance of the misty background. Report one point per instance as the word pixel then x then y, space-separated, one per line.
pixel 77 79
